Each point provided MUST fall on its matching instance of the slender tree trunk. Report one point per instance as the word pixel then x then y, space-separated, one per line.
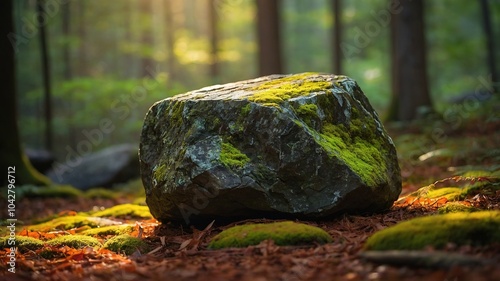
pixel 337 36
pixel 82 35
pixel 490 45
pixel 49 145
pixel 145 6
pixel 409 68
pixel 170 36
pixel 269 41
pixel 214 40
pixel 10 147
pixel 66 12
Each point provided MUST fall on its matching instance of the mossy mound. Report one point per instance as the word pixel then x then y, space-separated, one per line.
pixel 101 193
pixel 125 211
pixel 108 230
pixel 456 207
pixel 64 223
pixel 74 241
pixel 282 233
pixel 478 228
pixel 126 244
pixel 23 243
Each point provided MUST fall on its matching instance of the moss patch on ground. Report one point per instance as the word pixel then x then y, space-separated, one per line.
pixel 478 228
pixel 282 233
pixel 23 243
pixel 109 230
pixel 231 157
pixel 126 244
pixel 125 211
pixel 74 241
pixel 63 223
pixel 277 91
pixel 456 207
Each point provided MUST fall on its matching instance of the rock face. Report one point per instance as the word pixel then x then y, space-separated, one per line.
pixel 307 145
pixel 115 164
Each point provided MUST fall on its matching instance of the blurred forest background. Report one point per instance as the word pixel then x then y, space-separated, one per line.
pixel 111 60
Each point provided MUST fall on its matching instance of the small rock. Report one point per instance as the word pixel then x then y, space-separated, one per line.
pixel 115 164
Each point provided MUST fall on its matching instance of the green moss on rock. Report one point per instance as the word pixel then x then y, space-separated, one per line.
pixel 363 155
pixel 74 241
pixel 478 228
pixel 126 244
pixel 23 243
pixel 277 91
pixel 231 157
pixel 125 211
pixel 282 233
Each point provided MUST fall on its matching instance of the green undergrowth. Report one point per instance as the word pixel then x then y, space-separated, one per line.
pixel 126 244
pixel 282 233
pixel 477 228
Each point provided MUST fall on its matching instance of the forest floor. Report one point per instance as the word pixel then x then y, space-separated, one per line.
pixel 436 153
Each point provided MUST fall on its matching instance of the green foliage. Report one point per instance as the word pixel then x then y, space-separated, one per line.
pixel 282 233
pixel 478 228
pixel 126 244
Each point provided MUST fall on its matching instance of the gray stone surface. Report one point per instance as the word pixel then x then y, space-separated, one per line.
pixel 307 145
pixel 104 168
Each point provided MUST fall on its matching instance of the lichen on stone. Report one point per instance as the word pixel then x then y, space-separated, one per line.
pixel 282 233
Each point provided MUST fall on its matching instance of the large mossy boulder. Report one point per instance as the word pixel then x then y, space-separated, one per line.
pixel 308 145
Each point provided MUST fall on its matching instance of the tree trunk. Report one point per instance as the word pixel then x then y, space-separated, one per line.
pixel 337 36
pixel 82 69
pixel 10 147
pixel 490 45
pixel 410 91
pixel 214 40
pixel 170 36
pixel 145 6
pixel 49 145
pixel 269 41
